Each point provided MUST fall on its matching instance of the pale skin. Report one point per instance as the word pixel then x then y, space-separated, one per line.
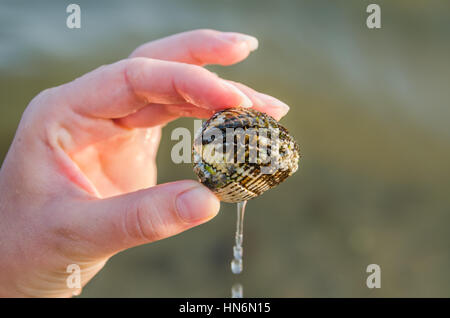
pixel 78 184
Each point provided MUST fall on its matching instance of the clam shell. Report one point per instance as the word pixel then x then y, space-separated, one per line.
pixel 241 167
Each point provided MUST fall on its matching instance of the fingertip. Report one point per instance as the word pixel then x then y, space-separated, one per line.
pixel 250 41
pixel 277 107
pixel 275 112
pixel 228 48
pixel 263 102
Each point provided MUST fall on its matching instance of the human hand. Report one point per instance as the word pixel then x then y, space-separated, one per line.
pixel 78 183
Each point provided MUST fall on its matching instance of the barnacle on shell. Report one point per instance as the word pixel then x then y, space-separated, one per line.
pixel 240 153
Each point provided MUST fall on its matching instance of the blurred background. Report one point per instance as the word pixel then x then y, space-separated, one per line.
pixel 369 108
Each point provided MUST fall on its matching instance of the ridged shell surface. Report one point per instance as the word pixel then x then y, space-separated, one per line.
pixel 240 153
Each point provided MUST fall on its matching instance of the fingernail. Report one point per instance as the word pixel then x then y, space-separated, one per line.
pixel 197 204
pixel 285 108
pixel 246 102
pixel 274 102
pixel 251 41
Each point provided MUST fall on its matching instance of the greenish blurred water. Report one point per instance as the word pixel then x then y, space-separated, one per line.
pixel 370 109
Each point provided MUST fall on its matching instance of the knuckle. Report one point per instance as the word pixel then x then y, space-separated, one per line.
pixel 133 66
pixel 36 117
pixel 137 62
pixel 197 71
pixel 40 101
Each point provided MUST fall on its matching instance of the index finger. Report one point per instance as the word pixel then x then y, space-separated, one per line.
pixel 122 88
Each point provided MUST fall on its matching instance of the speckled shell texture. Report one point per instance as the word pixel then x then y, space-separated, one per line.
pixel 239 175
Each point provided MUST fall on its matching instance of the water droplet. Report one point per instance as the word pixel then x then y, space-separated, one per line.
pixel 236 266
pixel 238 251
pixel 237 291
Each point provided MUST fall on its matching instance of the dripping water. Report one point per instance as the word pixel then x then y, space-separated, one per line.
pixel 236 263
pixel 237 291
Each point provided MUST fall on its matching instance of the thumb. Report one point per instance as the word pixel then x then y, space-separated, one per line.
pixel 144 216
